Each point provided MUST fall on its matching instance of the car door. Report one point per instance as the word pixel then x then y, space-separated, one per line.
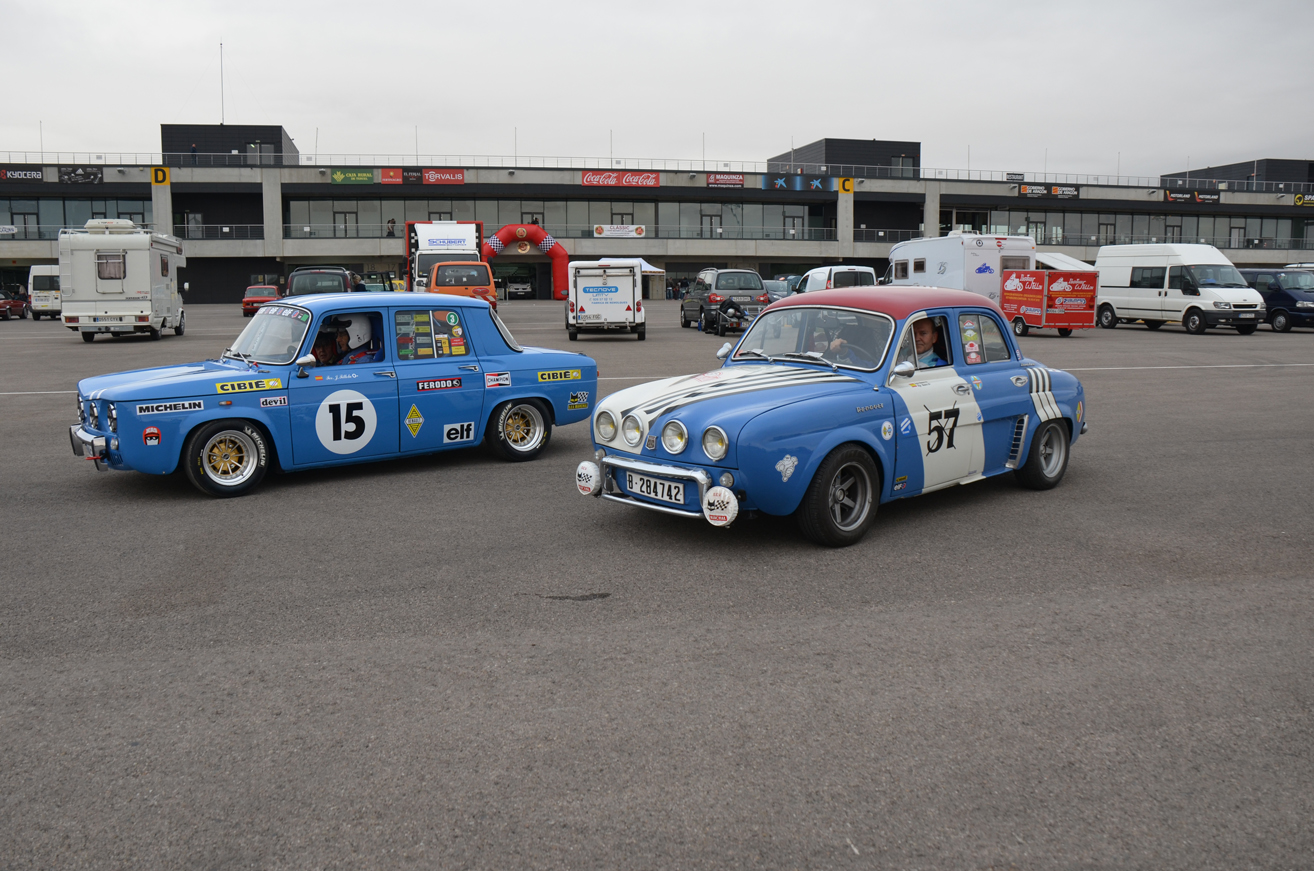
pixel 342 413
pixel 999 383
pixel 938 412
pixel 1145 296
pixel 440 386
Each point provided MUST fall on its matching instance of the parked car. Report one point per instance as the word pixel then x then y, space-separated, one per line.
pixel 1288 294
pixel 418 374
pixel 776 290
pixel 520 290
pixel 463 278
pixel 318 279
pixel 712 287
pixel 828 277
pixel 13 304
pixel 257 295
pixel 833 403
pixel 793 281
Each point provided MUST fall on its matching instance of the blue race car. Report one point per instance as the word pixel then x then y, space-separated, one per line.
pixel 834 402
pixel 333 379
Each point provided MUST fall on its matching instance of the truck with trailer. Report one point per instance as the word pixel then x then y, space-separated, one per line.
pixel 120 279
pixel 43 291
pixel 432 242
pixel 604 297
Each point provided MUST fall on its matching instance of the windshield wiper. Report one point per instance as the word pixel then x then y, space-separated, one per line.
pixel 811 357
pixel 759 352
pixel 245 358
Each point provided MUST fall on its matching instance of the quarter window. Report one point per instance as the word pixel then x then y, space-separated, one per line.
pixel 900 269
pixel 111 267
pixel 919 265
pixel 430 335
pixel 983 340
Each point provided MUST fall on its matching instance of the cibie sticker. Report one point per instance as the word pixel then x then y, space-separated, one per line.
pixel 346 421
pixel 272 401
pixel 560 375
pixel 151 436
pixel 248 386
pixel 497 379
pixel 887 430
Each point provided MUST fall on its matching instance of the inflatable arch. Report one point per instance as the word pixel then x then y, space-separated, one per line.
pixel 518 238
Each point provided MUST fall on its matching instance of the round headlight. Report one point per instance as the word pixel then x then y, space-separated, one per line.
pixel 95 415
pixel 606 426
pixel 715 443
pixel 112 414
pixel 675 438
pixel 632 430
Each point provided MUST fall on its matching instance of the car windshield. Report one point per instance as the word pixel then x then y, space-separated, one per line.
pixel 302 283
pixel 1296 280
pixel 852 278
pixel 855 340
pixel 261 291
pixel 738 281
pixel 1216 275
pixel 461 276
pixel 776 287
pixel 425 262
pixel 273 336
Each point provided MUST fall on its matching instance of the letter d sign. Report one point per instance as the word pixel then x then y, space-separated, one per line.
pixel 159 175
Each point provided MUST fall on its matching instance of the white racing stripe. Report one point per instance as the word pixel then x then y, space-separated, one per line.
pixel 1200 366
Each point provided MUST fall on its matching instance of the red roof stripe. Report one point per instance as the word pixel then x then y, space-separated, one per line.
pixel 897 302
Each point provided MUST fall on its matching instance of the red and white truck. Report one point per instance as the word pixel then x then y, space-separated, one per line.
pixel 430 242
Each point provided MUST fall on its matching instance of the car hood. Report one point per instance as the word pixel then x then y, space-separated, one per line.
pixel 171 382
pixel 1234 295
pixel 727 397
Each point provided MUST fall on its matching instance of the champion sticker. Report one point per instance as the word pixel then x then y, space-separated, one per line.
pixel 497 379
pixel 887 430
pixel 248 386
pixel 438 384
pixel 272 401
pixel 561 375
pixel 167 407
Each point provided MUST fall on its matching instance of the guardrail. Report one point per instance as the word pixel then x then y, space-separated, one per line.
pixel 219 232
pixel 37 232
pixel 575 231
pixel 865 235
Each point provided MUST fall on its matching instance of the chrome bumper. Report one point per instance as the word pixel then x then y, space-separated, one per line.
pixel 611 491
pixel 88 447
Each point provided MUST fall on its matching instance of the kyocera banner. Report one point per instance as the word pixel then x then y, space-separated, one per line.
pixel 21 173
pixel 605 178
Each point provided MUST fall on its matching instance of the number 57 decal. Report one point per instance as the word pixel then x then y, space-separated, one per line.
pixel 942 426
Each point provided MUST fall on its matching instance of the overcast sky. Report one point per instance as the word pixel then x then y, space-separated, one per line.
pixel 1024 85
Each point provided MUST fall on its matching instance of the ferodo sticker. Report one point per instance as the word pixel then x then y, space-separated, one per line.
pixel 560 375
pixel 438 384
pixel 167 407
pixel 346 421
pixel 248 386
pixel 151 436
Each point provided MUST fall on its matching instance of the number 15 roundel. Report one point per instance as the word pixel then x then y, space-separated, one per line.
pixel 345 421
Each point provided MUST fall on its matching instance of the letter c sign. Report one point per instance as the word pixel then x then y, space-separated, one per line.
pixel 159 175
pixel 846 185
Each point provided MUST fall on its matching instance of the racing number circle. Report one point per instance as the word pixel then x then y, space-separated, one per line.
pixel 345 421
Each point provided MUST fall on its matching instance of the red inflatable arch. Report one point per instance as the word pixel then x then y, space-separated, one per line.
pixel 518 238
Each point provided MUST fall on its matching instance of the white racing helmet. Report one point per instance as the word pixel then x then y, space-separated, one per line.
pixel 358 330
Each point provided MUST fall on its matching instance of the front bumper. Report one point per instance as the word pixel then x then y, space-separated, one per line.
pixel 89 446
pixel 616 493
pixel 1232 318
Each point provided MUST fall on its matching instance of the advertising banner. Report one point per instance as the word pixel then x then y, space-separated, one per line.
pixel 21 173
pixel 1190 197
pixel 619 231
pixel 625 179
pixel 1070 299
pixel 444 176
pixel 1023 295
pixel 815 183
pixel 1050 191
pixel 1304 200
pixel 390 175
pixel 352 176
pixel 412 176
pixel 81 174
pixel 725 179
pixel 1015 176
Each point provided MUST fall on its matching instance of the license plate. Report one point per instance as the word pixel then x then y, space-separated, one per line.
pixel 654 488
pixel 1248 315
pixel 106 320
pixel 590 317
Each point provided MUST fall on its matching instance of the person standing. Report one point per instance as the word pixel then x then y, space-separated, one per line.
pixel 193 154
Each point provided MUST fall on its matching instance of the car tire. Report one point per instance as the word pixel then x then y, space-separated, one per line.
pixel 572 335
pixel 1048 458
pixel 154 334
pixel 1153 325
pixel 823 519
pixel 519 429
pixel 684 318
pixel 23 312
pixel 36 316
pixel 226 458
pixel 1194 322
pixel 1246 329
pixel 4 314
pixel 1020 327
pixel 88 336
pixel 702 321
pixel 182 324
pixel 641 333
pixel 1108 318
pixel 1280 322
pixel 720 327
pixel 1064 332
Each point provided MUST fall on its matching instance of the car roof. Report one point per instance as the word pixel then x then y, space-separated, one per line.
pixel 318 303
pixel 897 302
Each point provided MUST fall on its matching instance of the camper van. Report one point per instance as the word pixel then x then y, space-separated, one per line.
pixel 121 279
pixel 43 291
pixel 962 261
pixel 1194 284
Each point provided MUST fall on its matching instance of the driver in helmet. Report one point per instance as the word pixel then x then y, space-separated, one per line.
pixel 355 341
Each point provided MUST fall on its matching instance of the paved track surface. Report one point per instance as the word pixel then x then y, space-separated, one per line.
pixel 456 662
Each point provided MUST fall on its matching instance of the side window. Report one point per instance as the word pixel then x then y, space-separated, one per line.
pixel 919 265
pixel 1262 281
pixel 983 339
pixel 1175 278
pixel 1147 277
pixel 900 269
pixel 111 267
pixel 430 335
pixel 349 338
pixel 931 342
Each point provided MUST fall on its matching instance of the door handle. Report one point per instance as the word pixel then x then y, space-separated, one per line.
pixel 962 389
pixel 469 368
pixel 386 374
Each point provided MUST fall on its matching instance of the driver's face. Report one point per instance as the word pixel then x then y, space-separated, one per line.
pixel 924 335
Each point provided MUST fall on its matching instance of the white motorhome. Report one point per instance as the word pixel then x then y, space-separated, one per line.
pixel 43 291
pixel 121 279
pixel 1194 284
pixel 431 242
pixel 605 296
pixel 962 261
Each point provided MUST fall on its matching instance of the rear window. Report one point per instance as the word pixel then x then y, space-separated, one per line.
pixel 45 282
pixel 738 281
pixel 461 275
pixel 261 291
pixel 860 278
pixel 316 282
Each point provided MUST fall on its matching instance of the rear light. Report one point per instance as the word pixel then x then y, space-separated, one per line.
pixel 71 320
pixel 143 319
pixel 572 306
pixel 715 298
pixel 762 298
pixel 638 306
pixel 829 284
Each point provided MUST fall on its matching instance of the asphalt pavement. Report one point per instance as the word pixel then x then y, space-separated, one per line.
pixel 455 662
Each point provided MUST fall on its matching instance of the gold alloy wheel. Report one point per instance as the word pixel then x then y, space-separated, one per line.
pixel 522 428
pixel 229 458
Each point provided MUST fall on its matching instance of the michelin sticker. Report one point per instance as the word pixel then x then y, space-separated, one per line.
pixel 786 467
pixel 166 407
pixel 346 421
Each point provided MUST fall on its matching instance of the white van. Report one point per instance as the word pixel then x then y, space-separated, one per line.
pixel 962 261
pixel 121 279
pixel 43 291
pixel 826 277
pixel 605 296
pixel 1194 284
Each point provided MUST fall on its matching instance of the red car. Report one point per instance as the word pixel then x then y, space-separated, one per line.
pixel 256 296
pixel 12 305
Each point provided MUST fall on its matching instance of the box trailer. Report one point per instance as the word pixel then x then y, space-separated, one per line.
pixel 121 279
pixel 962 261
pixel 605 296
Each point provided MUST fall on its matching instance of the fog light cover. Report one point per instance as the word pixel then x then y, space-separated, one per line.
pixel 720 506
pixel 588 478
pixel 727 480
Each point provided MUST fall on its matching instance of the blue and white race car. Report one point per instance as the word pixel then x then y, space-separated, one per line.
pixel 834 402
pixel 334 379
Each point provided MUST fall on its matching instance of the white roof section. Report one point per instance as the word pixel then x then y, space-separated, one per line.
pixel 644 266
pixel 1061 262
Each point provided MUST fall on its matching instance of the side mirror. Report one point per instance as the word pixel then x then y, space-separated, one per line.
pixel 724 352
pixel 187 285
pixel 905 369
pixel 302 362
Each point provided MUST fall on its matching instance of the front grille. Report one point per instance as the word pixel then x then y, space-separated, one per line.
pixel 1239 305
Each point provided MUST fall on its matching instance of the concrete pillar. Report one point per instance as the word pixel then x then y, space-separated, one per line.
pixel 162 208
pixel 271 189
pixel 844 223
pixel 931 212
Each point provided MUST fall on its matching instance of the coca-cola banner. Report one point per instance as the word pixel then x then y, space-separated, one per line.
pixel 725 179
pixel 622 179
pixel 444 176
pixel 619 231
